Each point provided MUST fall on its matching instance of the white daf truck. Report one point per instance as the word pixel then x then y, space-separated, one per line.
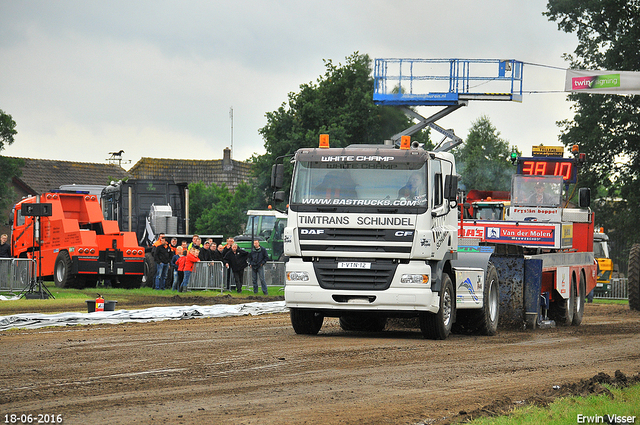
pixel 372 234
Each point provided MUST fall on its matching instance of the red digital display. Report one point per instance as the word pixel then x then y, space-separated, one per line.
pixel 548 167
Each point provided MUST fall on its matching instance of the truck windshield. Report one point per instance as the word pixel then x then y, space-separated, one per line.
pixel 262 225
pixel 536 191
pixel 359 184
pixel 600 249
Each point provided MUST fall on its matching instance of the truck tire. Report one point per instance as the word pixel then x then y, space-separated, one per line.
pixel 62 270
pixel 578 312
pixel 561 310
pixel 482 321
pixel 487 317
pixel 148 279
pixel 363 322
pixel 634 277
pixel 306 322
pixel 438 325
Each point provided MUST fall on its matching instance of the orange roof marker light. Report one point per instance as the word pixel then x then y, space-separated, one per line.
pixel 405 142
pixel 324 141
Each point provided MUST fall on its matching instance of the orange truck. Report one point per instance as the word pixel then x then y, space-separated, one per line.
pixel 72 242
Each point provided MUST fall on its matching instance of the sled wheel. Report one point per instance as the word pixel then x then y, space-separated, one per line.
pixel 561 310
pixel 578 311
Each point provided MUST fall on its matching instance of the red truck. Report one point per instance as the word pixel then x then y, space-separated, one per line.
pixel 72 242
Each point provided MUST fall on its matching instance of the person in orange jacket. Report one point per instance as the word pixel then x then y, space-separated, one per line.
pixel 192 258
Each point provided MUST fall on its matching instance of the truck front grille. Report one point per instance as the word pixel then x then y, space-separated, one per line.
pixel 376 278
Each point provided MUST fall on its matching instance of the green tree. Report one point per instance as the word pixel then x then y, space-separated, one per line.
pixel 7 129
pixel 606 127
pixel 9 167
pixel 340 104
pixel 484 160
pixel 217 210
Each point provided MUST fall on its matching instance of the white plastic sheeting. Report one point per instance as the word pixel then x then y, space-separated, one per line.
pixel 39 320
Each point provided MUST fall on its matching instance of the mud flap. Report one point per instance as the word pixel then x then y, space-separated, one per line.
pixel 511 278
pixel 532 292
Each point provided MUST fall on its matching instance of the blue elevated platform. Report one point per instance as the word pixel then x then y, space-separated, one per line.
pixel 445 82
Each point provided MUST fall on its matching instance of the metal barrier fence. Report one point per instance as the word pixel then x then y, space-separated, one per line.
pixel 619 290
pixel 213 275
pixel 16 274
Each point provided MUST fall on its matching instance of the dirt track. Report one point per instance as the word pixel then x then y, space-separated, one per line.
pixel 255 370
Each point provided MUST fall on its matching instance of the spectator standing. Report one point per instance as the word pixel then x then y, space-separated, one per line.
pixel 159 241
pixel 172 271
pixel 5 247
pixel 226 249
pixel 218 253
pixel 257 259
pixel 182 262
pixel 237 260
pixel 196 242
pixel 174 267
pixel 190 261
pixel 205 252
pixel 162 255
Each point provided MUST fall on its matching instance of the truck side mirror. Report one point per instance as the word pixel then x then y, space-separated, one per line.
pixel 451 187
pixel 278 196
pixel 584 197
pixel 277 175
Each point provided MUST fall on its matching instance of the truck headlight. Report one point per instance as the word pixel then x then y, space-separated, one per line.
pixel 298 276
pixel 414 278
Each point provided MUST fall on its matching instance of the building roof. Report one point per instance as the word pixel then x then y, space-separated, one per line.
pixel 41 175
pixel 226 170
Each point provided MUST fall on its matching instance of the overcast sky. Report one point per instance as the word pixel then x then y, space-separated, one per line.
pixel 158 78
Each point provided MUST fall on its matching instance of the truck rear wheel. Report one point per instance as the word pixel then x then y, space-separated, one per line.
pixel 306 322
pixel 634 277
pixel 487 317
pixel 561 310
pixel 363 322
pixel 580 296
pixel 148 279
pixel 438 325
pixel 62 271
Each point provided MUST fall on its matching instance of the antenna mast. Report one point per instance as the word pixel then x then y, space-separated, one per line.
pixel 231 117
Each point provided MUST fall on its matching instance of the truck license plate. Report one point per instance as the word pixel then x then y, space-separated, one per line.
pixel 353 265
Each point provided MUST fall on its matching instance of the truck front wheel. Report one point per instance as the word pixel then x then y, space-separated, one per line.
pixel 438 325
pixel 306 322
pixel 62 271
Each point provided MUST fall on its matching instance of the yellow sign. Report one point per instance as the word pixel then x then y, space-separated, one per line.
pixel 547 151
pixel 567 235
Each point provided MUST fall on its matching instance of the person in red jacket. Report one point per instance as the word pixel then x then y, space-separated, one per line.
pixel 192 258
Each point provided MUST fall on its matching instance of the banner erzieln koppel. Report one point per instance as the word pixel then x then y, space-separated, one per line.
pixel 604 82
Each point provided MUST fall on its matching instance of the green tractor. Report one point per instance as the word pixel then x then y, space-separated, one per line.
pixel 268 227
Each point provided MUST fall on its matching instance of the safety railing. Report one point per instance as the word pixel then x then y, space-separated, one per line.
pixel 16 274
pixel 619 290
pixel 435 82
pixel 213 275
